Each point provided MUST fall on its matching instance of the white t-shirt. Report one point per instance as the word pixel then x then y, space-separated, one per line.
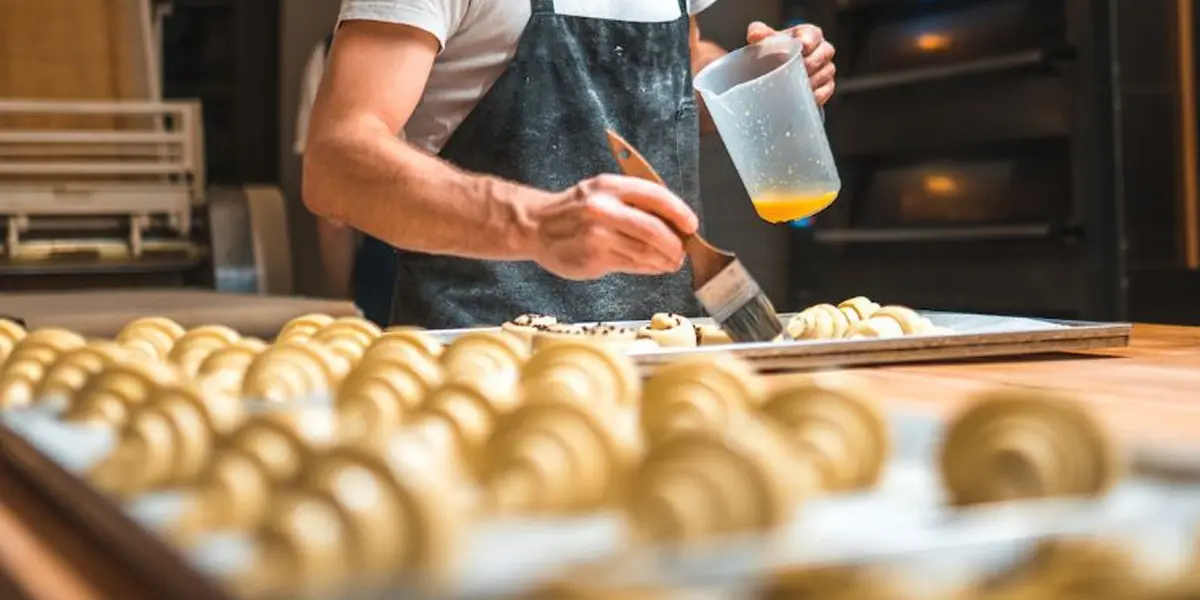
pixel 313 72
pixel 478 39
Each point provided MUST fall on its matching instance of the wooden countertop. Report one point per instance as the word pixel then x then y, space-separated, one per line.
pixel 1149 392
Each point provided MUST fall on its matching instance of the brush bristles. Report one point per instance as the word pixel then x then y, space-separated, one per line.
pixel 754 321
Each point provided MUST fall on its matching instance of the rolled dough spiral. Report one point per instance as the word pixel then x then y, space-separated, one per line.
pixel 300 548
pixel 891 321
pixel 111 395
pixel 826 321
pixel 1017 444
pixel 29 361
pixel 190 351
pixel 701 484
pixel 1071 570
pixel 458 418
pixel 554 457
pixel 415 337
pixel 397 510
pixel 585 372
pixel 834 428
pixel 293 371
pixel 853 582
pixel 11 334
pixel 168 440
pixel 713 392
pixel 225 368
pixel 485 353
pixel 71 371
pixel 352 334
pixel 377 396
pixel 302 328
pixel 265 452
pixel 154 336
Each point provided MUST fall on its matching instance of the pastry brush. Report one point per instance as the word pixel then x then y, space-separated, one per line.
pixel 726 290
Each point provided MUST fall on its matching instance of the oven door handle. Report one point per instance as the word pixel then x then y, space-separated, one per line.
pixel 994 64
pixel 940 234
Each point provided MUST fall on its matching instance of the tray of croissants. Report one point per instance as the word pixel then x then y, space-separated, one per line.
pixel 855 331
pixel 344 461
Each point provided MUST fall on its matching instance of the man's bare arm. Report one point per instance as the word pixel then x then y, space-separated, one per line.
pixel 358 172
pixel 337 256
pixel 704 53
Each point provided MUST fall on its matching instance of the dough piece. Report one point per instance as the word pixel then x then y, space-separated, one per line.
pixel 265 452
pixel 415 337
pixel 73 368
pixel 28 362
pixel 168 440
pixel 197 344
pixel 712 335
pixel 525 326
pixel 11 334
pixel 378 395
pixel 566 588
pixel 1072 570
pixel 853 582
pixel 225 369
pixel 670 331
pixel 154 336
pixel 44 346
pixel 819 322
pixel 579 371
pixel 858 308
pixel 355 329
pixel 326 535
pixel 485 353
pixel 301 548
pixel 876 328
pixel 551 457
pixel 714 392
pixel 110 396
pixel 550 334
pixel 892 321
pixel 348 348
pixel 1019 444
pixel 834 428
pixel 701 484
pixel 302 328
pixel 294 371
pixel 457 419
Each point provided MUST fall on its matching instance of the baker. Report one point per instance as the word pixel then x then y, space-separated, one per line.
pixel 470 135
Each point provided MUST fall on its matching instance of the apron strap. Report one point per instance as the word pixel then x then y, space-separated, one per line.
pixel 685 7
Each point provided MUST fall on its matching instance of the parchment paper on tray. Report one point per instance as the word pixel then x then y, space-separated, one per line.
pixel 969 323
pixel 76 448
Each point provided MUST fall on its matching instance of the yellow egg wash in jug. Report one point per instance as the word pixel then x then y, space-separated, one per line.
pixel 791 206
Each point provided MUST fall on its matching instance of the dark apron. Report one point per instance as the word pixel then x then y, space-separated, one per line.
pixel 542 123
pixel 374 271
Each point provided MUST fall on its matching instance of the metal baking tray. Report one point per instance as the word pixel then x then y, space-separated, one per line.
pixel 974 336
pixel 903 521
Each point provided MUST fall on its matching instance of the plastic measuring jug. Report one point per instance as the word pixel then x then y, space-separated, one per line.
pixel 762 103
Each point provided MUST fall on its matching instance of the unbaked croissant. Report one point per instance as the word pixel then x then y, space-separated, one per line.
pixel 891 321
pixel 826 321
pixel 10 335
